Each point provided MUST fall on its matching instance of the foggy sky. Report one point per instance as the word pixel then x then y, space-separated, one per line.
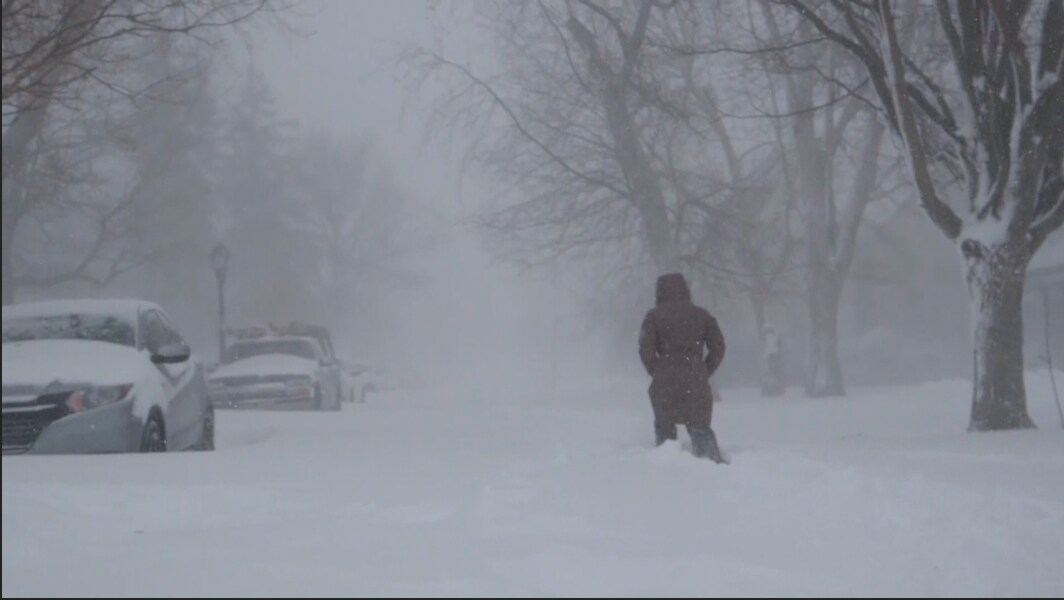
pixel 339 72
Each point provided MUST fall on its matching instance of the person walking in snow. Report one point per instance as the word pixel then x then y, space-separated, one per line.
pixel 671 342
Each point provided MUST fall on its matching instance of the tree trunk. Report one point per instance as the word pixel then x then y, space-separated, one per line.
pixel 757 305
pixel 16 158
pixel 8 283
pixel 6 255
pixel 647 194
pixel 824 374
pixel 646 191
pixel 824 377
pixel 995 277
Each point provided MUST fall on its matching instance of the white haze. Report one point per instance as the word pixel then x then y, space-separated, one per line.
pixel 455 311
pixel 341 71
pixel 472 319
pixel 505 442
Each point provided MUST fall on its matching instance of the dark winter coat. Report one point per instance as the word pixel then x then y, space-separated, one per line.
pixel 671 343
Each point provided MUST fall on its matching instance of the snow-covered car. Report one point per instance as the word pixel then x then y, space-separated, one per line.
pixel 95 376
pixel 283 368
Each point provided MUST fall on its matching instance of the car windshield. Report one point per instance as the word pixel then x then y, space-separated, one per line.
pixel 99 328
pixel 242 350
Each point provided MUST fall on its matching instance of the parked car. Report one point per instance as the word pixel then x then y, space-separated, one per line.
pixel 290 366
pixel 93 376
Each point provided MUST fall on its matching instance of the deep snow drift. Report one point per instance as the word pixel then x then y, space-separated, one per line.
pixel 480 493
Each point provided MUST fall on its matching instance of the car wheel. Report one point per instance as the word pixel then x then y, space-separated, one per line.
pixel 207 437
pixel 317 398
pixel 153 438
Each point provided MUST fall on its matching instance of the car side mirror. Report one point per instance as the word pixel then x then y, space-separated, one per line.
pixel 171 353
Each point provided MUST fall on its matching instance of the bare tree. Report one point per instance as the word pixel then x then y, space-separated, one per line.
pixel 59 52
pixel 992 117
pixel 52 47
pixel 578 132
pixel 357 217
pixel 748 241
pixel 820 108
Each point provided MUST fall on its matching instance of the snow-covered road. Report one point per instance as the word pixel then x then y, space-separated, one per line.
pixel 489 493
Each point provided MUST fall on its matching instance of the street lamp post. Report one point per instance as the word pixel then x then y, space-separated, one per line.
pixel 220 260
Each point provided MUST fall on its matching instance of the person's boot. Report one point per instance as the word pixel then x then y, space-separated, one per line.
pixel 664 432
pixel 704 444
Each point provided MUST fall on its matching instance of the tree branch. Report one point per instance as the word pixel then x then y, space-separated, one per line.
pixel 940 213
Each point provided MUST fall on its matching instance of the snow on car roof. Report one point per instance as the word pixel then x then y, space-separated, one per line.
pixel 128 309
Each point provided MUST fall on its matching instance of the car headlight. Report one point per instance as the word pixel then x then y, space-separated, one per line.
pixel 97 396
